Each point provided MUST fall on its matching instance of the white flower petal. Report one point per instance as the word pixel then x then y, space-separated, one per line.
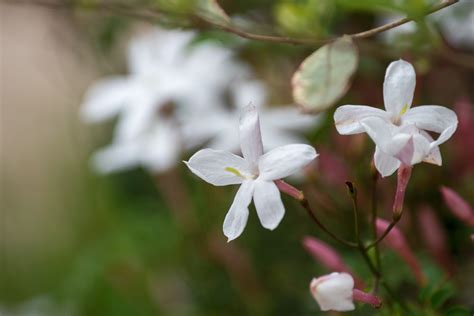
pixel 415 150
pixel 236 218
pixel 347 118
pixel 433 118
pixel 385 135
pixel 249 92
pixel 270 209
pixel 105 98
pixel 218 167
pixel 434 156
pixel 385 164
pixel 135 120
pixel 334 292
pixel 250 136
pixel 285 160
pixel 399 87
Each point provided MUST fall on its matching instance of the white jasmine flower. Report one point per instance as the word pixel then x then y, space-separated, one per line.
pixel 334 292
pixel 280 125
pixel 163 70
pixel 255 173
pixel 399 132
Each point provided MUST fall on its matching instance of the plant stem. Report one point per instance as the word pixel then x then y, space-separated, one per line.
pixel 154 14
pixel 378 263
pixel 307 207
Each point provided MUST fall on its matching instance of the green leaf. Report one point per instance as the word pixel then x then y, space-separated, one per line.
pixel 324 77
pixel 457 311
pixel 441 296
pixel 211 11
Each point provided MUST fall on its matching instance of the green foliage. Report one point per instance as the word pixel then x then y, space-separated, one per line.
pixel 324 76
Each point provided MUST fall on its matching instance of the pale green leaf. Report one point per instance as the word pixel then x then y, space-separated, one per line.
pixel 211 11
pixel 324 77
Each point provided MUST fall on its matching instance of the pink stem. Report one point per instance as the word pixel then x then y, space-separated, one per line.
pixel 360 296
pixel 403 176
pixel 289 189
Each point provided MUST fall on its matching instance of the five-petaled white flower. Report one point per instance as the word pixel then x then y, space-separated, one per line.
pixel 334 291
pixel 255 172
pixel 400 132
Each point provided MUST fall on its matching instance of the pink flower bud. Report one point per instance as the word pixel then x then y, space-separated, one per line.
pixel 434 236
pixel 327 256
pixel 290 190
pixel 458 206
pixel 398 243
pixel 333 292
pixel 336 292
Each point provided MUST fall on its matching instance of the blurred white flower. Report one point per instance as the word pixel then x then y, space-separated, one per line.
pixel 280 125
pixel 333 292
pixel 399 132
pixel 164 68
pixel 255 172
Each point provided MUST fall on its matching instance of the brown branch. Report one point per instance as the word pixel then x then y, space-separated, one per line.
pixel 153 14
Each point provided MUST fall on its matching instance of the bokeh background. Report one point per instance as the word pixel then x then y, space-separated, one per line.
pixel 75 242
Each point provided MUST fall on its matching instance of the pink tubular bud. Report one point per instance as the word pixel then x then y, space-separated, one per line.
pixel 327 256
pixel 398 243
pixel 403 176
pixel 290 190
pixel 458 206
pixel 434 237
pixel 360 296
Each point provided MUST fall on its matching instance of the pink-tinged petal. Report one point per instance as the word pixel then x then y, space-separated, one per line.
pixel 270 209
pixel 434 155
pixel 433 118
pixel 285 160
pixel 218 167
pixel 347 118
pixel 385 164
pixel 396 241
pixel 434 236
pixel 415 150
pixel 105 99
pixel 236 219
pixel 366 298
pixel 333 292
pixel 458 206
pixel 250 136
pixel 399 87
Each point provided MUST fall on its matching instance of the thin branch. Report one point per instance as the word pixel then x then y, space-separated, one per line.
pixel 310 212
pixel 154 14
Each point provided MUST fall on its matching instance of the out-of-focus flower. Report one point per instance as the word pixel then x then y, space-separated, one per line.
pixel 333 292
pixel 400 132
pixel 398 243
pixel 255 173
pixel 434 236
pixel 280 125
pixel 327 256
pixel 38 306
pixel 163 69
pixel 458 206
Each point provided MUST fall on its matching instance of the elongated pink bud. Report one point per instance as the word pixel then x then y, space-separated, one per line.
pixel 328 256
pixel 403 176
pixel 363 297
pixel 398 243
pixel 434 237
pixel 290 190
pixel 458 206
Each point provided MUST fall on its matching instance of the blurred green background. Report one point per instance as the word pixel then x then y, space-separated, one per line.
pixel 77 243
